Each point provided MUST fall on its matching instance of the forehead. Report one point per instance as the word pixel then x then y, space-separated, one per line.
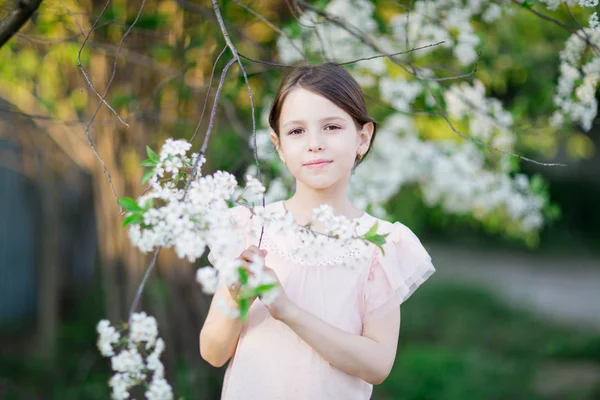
pixel 302 104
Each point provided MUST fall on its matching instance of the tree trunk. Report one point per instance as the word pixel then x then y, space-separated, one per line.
pixel 49 272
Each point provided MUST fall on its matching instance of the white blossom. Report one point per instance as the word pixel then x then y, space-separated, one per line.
pixel 128 361
pixel 207 277
pixel 575 96
pixel 593 21
pixel 132 367
pixel 108 336
pixel 143 329
pixel 120 384
pixel 159 389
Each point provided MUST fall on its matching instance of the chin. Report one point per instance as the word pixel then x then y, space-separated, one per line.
pixel 320 183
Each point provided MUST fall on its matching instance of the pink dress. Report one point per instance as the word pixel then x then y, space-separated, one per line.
pixel 271 361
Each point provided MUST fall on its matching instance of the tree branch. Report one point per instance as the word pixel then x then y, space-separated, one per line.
pixel 17 18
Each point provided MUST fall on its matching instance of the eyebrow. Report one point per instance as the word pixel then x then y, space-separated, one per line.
pixel 299 121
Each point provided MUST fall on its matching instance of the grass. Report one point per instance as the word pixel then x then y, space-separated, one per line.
pixel 460 343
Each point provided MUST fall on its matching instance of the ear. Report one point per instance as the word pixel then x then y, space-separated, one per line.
pixel 277 144
pixel 364 137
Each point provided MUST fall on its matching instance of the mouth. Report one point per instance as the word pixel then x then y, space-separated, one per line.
pixel 317 163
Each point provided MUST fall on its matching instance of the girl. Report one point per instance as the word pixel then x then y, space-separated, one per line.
pixel 332 332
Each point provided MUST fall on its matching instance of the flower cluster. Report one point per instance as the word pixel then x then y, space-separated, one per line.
pixel 189 212
pixel 336 233
pixel 575 95
pixel 135 358
pixel 450 174
pixel 458 176
pixel 490 122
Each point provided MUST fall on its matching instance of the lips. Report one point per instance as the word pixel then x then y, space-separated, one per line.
pixel 317 162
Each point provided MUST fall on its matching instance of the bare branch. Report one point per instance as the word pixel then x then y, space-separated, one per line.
pixel 393 54
pixel 140 288
pixel 368 41
pixel 17 18
pixel 103 101
pixel 272 26
pixel 237 58
pixel 80 65
pixel 272 64
pixel 114 71
pixel 558 23
pixel 212 75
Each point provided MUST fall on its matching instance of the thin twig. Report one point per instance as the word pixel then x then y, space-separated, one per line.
pixel 213 112
pixel 413 72
pixel 272 26
pixel 587 37
pixel 558 23
pixel 80 65
pixel 406 33
pixel 272 64
pixel 114 71
pixel 392 54
pixel 103 98
pixel 140 289
pixel 237 58
pixel 212 75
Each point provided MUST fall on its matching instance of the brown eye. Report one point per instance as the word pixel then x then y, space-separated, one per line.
pixel 333 127
pixel 295 131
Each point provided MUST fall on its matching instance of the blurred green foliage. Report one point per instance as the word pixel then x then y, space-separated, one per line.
pixel 456 343
pixel 460 343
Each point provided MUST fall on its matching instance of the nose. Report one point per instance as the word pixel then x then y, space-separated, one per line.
pixel 315 142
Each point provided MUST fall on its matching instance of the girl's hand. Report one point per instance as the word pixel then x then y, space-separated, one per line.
pixel 282 306
pixel 246 258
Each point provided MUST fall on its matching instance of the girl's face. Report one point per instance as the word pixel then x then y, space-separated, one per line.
pixel 313 129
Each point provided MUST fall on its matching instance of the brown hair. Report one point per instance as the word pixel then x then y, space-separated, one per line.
pixel 330 81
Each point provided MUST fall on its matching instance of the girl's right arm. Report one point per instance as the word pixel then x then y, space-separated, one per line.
pixel 220 333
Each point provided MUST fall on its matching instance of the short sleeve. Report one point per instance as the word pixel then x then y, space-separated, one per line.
pixel 232 240
pixel 396 273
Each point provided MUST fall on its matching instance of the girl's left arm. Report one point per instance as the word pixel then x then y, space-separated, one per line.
pixel 369 356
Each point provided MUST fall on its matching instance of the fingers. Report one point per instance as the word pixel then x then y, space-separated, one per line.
pixel 250 252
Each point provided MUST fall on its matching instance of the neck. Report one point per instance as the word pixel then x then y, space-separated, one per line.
pixel 306 198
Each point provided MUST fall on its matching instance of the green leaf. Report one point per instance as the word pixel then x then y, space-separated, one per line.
pixel 133 219
pixel 527 4
pixel 147 163
pixel 244 304
pixel 152 155
pixel 379 241
pixel 372 231
pixel 243 275
pixel 265 288
pixel 255 292
pixel 147 175
pixel 376 238
pixel 129 204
